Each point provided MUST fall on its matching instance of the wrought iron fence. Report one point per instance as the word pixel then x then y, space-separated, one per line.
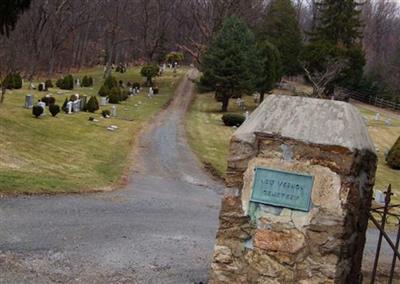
pixel 381 215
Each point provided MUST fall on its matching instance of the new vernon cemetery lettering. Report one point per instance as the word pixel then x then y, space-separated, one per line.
pixel 283 189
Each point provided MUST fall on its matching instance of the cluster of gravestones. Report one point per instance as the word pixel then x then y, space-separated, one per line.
pixel 75 104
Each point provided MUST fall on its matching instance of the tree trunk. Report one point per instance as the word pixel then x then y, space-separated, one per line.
pixel 262 96
pixel 3 93
pixel 149 82
pixel 225 102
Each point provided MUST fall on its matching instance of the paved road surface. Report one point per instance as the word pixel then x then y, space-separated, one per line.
pixel 159 229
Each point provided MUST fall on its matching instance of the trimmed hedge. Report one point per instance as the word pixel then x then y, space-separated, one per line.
pixel 92 105
pixel 12 81
pixel 233 119
pixel 37 111
pixel 104 91
pixel 49 84
pixel 48 100
pixel 393 158
pixel 54 109
pixel 115 96
pixel 87 81
pixel 66 83
pixel 106 113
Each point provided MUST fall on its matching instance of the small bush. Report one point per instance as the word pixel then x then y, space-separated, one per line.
pixel 48 100
pixel 124 95
pixel 106 113
pixel 49 84
pixel 66 83
pixel 115 96
pixel 54 109
pixel 12 81
pixel 60 83
pixel 92 105
pixel 393 158
pixel 136 85
pixel 41 88
pixel 64 106
pixel 233 119
pixel 73 98
pixel 111 82
pixel 87 81
pixel 17 81
pixel 37 111
pixel 104 91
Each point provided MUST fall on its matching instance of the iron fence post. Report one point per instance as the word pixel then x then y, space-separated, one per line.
pixel 394 254
pixel 388 194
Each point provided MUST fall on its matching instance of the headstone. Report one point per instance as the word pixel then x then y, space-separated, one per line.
pixel 378 116
pixel 83 103
pixel 113 111
pixel 151 93
pixel 247 115
pixel 76 106
pixel 28 101
pixel 78 83
pixel 103 101
pixel 388 122
pixel 379 197
pixel 69 107
pixel 301 173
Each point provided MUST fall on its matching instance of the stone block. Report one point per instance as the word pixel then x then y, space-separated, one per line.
pixel 261 243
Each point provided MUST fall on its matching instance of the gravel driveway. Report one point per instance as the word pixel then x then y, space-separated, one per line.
pixel 159 229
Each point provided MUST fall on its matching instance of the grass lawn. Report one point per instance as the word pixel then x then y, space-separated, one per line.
pixel 384 137
pixel 209 138
pixel 69 153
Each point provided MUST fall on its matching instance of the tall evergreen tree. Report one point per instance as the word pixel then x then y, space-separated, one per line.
pixel 339 22
pixel 230 61
pixel 269 68
pixel 9 12
pixel 335 43
pixel 281 28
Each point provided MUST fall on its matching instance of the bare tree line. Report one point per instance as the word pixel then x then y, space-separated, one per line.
pixel 60 35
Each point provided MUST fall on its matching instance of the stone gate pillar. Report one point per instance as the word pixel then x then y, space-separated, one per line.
pixel 304 170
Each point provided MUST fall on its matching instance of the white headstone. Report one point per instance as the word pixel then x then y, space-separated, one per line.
pixel 388 122
pixel 77 106
pixel 113 111
pixel 378 116
pixel 69 107
pixel 103 101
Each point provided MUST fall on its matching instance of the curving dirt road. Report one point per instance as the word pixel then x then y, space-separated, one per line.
pixel 159 229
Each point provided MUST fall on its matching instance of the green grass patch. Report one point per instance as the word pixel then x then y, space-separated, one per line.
pixel 69 153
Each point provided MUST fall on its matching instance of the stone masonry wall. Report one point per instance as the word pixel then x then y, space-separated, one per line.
pixel 264 244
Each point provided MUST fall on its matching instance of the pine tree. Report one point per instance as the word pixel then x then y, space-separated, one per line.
pixel 269 68
pixel 339 22
pixel 336 42
pixel 281 28
pixel 230 61
pixel 393 158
